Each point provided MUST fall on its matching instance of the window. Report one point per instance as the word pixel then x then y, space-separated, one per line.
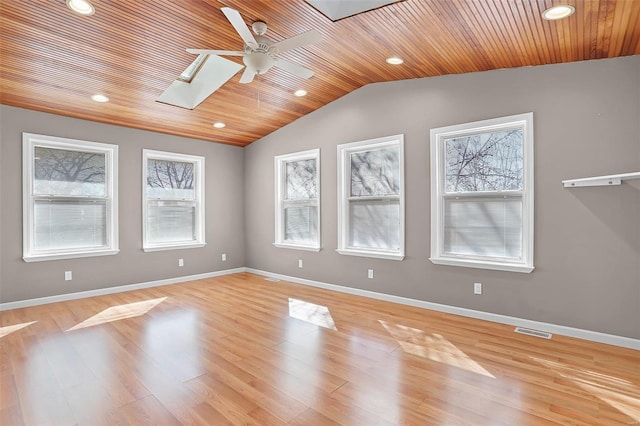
pixel 70 203
pixel 371 198
pixel 298 200
pixel 482 194
pixel 173 206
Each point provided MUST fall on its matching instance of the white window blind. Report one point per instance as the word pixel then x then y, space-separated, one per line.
pixel 174 200
pixel 69 198
pixel 297 200
pixel 485 226
pixel 374 224
pixel 69 224
pixel 371 199
pixel 171 221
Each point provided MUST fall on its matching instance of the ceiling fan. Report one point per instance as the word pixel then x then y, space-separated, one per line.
pixel 260 53
pixel 208 72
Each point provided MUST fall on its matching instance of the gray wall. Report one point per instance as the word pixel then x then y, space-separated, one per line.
pixel 587 240
pixel 224 210
pixel 587 255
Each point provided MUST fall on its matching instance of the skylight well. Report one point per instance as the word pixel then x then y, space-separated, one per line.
pixel 339 9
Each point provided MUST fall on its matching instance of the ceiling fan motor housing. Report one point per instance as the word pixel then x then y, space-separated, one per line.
pixel 259 27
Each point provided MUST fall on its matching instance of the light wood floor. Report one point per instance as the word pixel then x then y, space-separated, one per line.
pixel 242 350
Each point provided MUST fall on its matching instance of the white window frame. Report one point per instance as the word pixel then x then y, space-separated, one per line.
pixel 29 142
pixel 280 163
pixel 198 179
pixel 438 136
pixel 344 191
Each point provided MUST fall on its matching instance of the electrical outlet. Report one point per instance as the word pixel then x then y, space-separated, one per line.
pixel 477 288
pixel 370 273
pixel 300 263
pixel 180 262
pixel 224 257
pixel 68 276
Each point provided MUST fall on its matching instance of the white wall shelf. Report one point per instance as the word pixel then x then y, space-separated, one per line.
pixel 600 180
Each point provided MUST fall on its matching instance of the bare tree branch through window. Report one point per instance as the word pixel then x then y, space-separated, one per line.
pixel 301 179
pixel 66 172
pixel 170 180
pixel 375 172
pixel 484 162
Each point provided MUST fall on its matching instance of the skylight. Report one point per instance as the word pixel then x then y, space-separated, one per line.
pixel 338 9
pixel 191 71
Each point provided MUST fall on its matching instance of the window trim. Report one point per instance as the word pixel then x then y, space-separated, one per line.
pixel 279 185
pixel 29 142
pixel 437 136
pixel 199 180
pixel 344 183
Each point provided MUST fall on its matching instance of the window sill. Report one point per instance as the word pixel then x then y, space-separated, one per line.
pixel 497 266
pixel 72 255
pixel 173 247
pixel 297 247
pixel 370 253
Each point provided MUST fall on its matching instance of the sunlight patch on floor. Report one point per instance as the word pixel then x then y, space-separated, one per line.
pixel 6 330
pixel 432 346
pixel 621 394
pixel 311 313
pixel 119 312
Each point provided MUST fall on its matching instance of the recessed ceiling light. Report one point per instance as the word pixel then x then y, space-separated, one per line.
pixel 558 12
pixel 394 60
pixel 81 7
pixel 219 125
pixel 100 98
pixel 300 92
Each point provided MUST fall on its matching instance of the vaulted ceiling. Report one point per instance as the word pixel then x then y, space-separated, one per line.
pixel 53 60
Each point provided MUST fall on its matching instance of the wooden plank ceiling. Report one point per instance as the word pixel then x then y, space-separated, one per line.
pixel 53 60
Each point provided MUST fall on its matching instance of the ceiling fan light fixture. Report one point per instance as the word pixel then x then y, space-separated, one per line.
pixel 395 60
pixel 219 125
pixel 258 61
pixel 81 7
pixel 558 12
pixel 99 97
pixel 300 93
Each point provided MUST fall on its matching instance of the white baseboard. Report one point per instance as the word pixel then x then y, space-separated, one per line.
pixel 111 290
pixel 594 336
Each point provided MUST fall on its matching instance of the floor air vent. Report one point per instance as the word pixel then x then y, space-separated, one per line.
pixel 535 333
pixel 273 280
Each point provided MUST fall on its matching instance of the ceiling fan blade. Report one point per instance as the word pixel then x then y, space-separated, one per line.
pixel 292 68
pixel 216 52
pixel 300 40
pixel 236 20
pixel 247 75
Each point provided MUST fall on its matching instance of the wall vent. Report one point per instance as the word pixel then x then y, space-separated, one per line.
pixel 272 279
pixel 536 333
